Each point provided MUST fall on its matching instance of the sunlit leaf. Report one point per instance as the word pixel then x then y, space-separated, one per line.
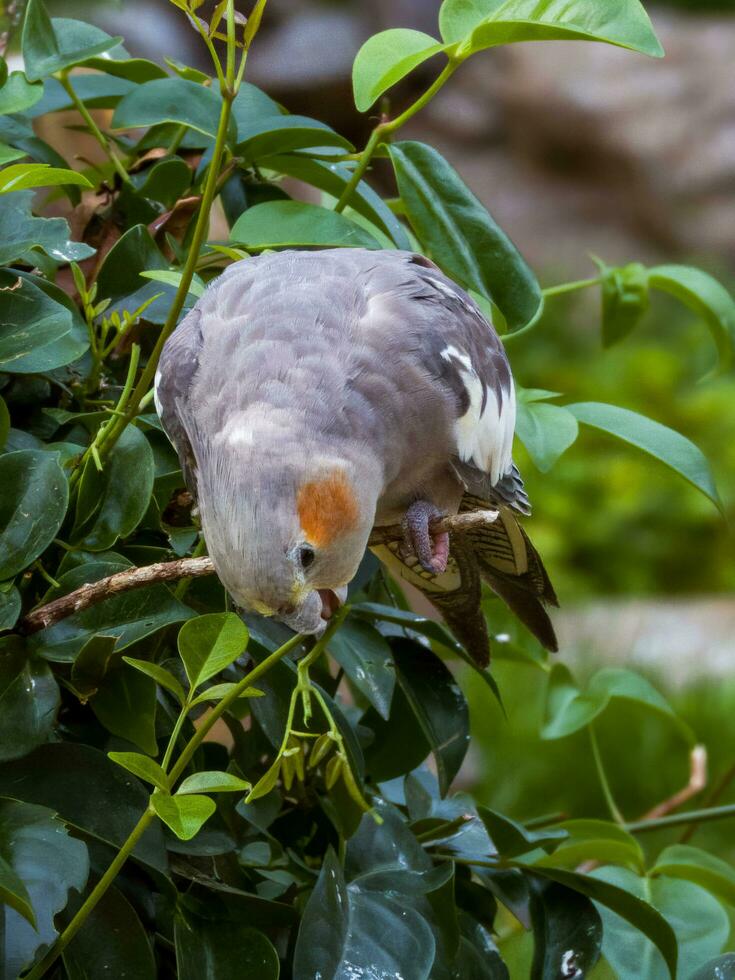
pixel 287 224
pixel 143 767
pixel 17 94
pixel 212 782
pixel 210 643
pixel 545 430
pixel 21 176
pixel 185 815
pixel 385 59
pixel 169 100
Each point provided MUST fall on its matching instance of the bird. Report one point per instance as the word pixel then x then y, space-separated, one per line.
pixel 313 396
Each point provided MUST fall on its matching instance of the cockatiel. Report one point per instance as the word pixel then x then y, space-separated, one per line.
pixel 312 396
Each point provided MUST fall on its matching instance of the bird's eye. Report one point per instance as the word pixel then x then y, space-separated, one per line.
pixel 306 556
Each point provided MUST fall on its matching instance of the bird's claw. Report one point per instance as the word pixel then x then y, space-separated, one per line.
pixel 431 549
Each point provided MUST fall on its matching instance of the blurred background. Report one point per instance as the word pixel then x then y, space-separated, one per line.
pixel 575 149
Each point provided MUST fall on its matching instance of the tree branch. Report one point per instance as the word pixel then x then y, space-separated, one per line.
pixel 171 571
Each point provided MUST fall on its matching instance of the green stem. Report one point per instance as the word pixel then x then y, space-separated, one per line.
pixel 570 287
pixel 681 819
pixel 386 128
pixel 92 126
pixel 93 898
pixel 606 791
pixel 175 732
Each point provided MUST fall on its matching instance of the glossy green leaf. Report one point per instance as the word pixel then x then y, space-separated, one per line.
pixel 4 422
pixel 32 507
pixel 23 232
pixel 288 224
pixel 343 927
pixel 705 296
pixel 694 864
pixel 38 854
pixel 568 709
pixel 17 94
pixel 126 705
pixel 262 137
pixel 720 968
pixel 610 889
pixel 209 643
pixel 385 59
pixel 184 815
pixel 95 91
pixel 112 943
pixel 173 278
pixel 547 431
pixel 595 840
pixel 131 616
pixel 9 153
pixel 10 606
pixel 50 45
pixel 511 838
pixel 567 933
pixel 333 178
pixel 21 176
pixel 366 658
pixel 698 921
pixel 220 950
pixel 625 299
pixel 136 70
pixel 218 691
pixel 479 24
pixel 160 675
pixel 657 440
pixel 92 663
pixel 143 767
pixel 212 782
pixel 29 700
pixel 459 234
pixel 169 100
pixel 119 276
pixel 111 503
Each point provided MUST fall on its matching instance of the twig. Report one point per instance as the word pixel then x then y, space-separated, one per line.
pixel 697 782
pixel 171 571
pixel 710 801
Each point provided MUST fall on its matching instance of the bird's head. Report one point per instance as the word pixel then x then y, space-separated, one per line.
pixel 287 541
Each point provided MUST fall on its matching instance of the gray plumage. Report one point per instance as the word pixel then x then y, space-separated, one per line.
pixel 369 375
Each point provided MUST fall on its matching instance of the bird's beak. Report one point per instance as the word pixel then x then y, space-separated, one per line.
pixel 316 610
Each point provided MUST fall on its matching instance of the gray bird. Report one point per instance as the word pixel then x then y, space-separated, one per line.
pixel 312 396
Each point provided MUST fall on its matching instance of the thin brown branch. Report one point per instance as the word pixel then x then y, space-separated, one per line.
pixel 697 782
pixel 171 571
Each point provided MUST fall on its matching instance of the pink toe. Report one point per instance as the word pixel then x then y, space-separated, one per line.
pixel 440 551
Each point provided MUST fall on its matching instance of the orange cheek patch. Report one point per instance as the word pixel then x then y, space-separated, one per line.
pixel 327 508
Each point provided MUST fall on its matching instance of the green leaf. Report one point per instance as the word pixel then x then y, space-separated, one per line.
pixel 568 710
pixel 458 233
pixel 480 24
pixel 547 431
pixel 126 705
pixel 160 675
pixel 184 815
pixel 9 153
pixel 60 776
pixel 595 840
pixel 4 422
pixel 220 950
pixel 366 658
pixel 567 932
pixel 10 606
pixel 209 643
pixel 111 503
pixel 51 45
pixel 32 507
pixel 136 70
pixel 213 782
pixel 218 691
pixel 705 296
pixel 721 968
pixel 288 224
pixel 91 665
pixel 95 91
pixel 29 700
pixel 386 58
pixel 634 910
pixel 511 838
pixel 141 766
pixel 23 232
pixel 24 175
pixel 173 278
pixel 262 137
pixel 343 926
pixel 37 854
pixel 698 921
pixel 131 616
pixel 112 943
pixel 694 864
pixel 657 440
pixel 17 94
pixel 625 298
pixel 169 100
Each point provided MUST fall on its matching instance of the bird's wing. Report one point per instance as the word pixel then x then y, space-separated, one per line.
pixel 176 371
pixel 465 353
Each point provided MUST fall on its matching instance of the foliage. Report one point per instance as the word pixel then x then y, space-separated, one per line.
pixel 304 833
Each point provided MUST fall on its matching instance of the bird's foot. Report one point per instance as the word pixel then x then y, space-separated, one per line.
pixel 431 549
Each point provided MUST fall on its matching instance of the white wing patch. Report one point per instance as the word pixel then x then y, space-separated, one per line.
pixel 156 382
pixel 484 434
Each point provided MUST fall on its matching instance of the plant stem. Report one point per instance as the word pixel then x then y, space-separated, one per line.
pixel 93 898
pixel 710 801
pixel 570 287
pixel 680 819
pixel 606 791
pixel 391 126
pixel 92 126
